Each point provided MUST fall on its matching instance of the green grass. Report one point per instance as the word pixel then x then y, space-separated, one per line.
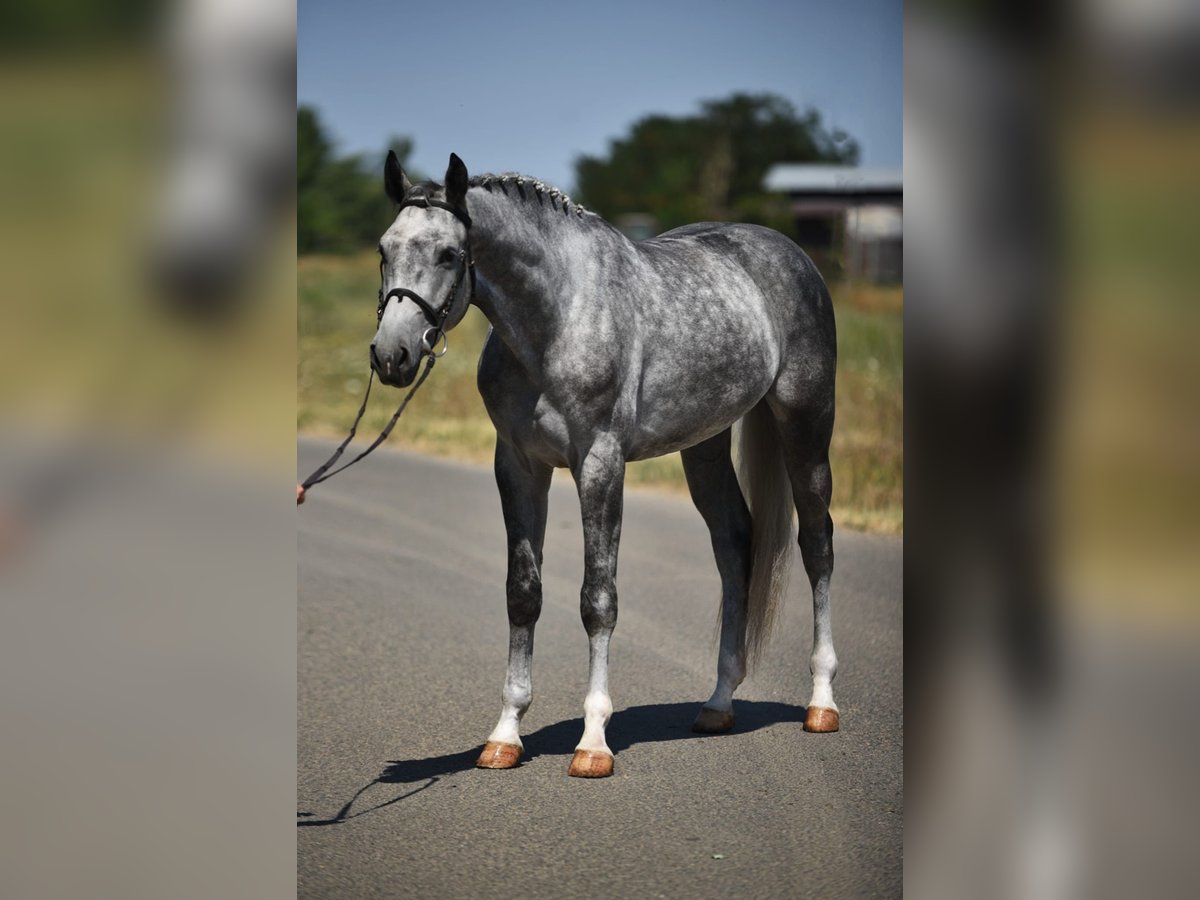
pixel 867 455
pixel 337 319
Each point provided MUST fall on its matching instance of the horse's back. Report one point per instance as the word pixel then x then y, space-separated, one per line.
pixel 752 246
pixel 736 277
pixel 792 287
pixel 721 310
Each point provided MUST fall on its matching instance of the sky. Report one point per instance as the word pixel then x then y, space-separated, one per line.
pixel 529 87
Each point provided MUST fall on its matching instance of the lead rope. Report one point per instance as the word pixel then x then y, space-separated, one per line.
pixel 323 473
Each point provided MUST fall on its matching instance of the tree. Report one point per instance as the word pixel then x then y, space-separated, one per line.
pixel 341 206
pixel 709 166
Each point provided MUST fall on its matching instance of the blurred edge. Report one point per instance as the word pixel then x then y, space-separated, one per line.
pixel 1051 573
pixel 1051 581
pixel 147 414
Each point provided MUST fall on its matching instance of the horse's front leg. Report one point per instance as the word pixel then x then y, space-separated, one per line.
pixel 600 478
pixel 524 485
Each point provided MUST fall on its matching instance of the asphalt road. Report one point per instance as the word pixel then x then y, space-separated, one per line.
pixel 402 646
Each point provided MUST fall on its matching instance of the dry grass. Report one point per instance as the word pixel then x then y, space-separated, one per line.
pixel 336 322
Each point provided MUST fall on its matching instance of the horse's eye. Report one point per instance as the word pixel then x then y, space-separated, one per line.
pixel 447 257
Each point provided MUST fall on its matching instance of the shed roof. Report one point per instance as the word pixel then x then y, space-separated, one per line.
pixel 796 178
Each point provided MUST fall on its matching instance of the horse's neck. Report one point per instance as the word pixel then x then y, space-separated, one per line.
pixel 520 256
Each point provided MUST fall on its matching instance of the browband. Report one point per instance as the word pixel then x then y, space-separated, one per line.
pixel 423 202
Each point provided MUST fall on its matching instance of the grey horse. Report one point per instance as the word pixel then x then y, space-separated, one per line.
pixel 603 351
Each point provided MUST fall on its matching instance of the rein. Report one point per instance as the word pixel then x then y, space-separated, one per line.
pixel 437 322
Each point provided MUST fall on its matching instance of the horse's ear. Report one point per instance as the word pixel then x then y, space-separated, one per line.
pixel 456 181
pixel 395 182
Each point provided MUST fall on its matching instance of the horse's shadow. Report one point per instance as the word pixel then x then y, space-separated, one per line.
pixel 651 723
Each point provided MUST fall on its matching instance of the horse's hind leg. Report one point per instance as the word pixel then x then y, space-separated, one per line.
pixel 714 487
pixel 805 434
pixel 524 485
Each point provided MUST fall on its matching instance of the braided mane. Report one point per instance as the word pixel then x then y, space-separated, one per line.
pixel 525 186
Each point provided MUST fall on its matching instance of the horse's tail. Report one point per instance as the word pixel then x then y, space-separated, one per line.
pixel 765 483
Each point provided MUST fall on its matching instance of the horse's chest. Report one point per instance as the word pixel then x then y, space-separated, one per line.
pixel 524 415
pixel 539 429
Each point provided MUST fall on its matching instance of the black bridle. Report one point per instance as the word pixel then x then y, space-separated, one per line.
pixel 435 334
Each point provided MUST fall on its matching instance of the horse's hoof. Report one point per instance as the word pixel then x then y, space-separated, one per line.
pixel 820 720
pixel 591 764
pixel 713 721
pixel 496 755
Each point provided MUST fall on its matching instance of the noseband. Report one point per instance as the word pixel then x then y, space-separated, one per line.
pixel 437 318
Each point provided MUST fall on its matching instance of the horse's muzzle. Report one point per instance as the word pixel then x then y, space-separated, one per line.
pixel 394 368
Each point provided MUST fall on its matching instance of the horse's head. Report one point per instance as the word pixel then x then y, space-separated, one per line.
pixel 425 267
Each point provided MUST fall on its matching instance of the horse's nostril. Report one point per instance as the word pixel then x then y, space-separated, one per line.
pixel 401 356
pixel 374 359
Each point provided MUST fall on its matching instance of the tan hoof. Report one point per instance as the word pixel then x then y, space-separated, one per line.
pixel 591 764
pixel 496 755
pixel 820 720
pixel 713 721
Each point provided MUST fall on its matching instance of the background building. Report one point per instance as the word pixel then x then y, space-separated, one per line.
pixel 849 219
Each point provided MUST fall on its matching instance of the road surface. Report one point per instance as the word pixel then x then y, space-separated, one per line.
pixel 401 655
